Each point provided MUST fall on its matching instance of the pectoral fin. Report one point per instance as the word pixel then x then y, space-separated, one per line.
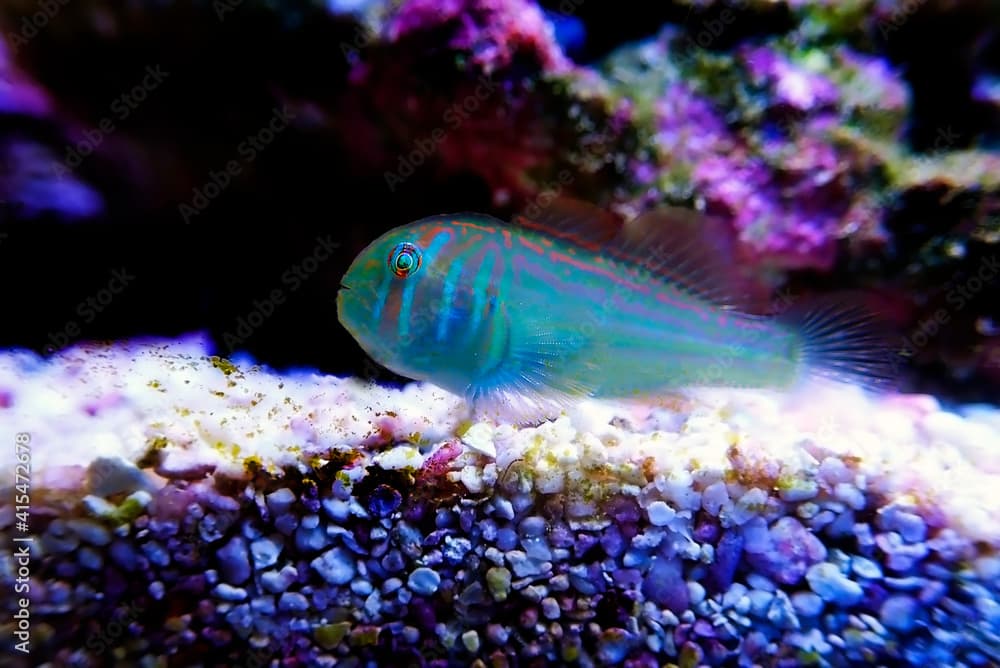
pixel 541 373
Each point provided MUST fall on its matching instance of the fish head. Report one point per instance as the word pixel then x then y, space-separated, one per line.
pixel 390 298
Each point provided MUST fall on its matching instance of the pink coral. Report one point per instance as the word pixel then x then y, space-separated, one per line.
pixel 439 463
pixel 493 31
pixel 487 120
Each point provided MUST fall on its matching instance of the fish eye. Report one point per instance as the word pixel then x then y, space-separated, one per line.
pixel 404 259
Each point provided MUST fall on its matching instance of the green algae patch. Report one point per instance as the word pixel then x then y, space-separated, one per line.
pixel 126 511
pixel 154 448
pixel 253 464
pixel 223 365
pixel 364 636
pixel 330 635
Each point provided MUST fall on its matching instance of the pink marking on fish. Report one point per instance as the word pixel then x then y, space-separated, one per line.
pixel 531 245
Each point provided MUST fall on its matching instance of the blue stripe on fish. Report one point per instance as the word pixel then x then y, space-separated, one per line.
pixel 448 297
pixel 409 287
pixel 381 295
pixel 480 283
pixel 405 308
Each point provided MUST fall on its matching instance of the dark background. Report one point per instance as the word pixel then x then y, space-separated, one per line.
pixel 225 78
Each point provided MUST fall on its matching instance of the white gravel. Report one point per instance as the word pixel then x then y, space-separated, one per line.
pixel 121 400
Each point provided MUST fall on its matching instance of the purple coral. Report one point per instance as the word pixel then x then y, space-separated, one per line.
pixel 36 183
pixel 689 126
pixel 787 193
pixel 788 203
pixel 18 94
pixel 789 83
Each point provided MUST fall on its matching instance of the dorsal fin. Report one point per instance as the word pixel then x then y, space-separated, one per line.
pixel 572 220
pixel 692 251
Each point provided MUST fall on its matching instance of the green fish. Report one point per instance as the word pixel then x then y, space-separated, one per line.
pixel 523 318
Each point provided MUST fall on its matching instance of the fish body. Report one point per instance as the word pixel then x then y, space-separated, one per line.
pixel 525 316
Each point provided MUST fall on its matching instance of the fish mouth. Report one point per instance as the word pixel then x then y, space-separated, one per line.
pixel 344 286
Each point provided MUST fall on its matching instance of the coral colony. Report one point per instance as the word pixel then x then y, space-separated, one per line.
pixel 182 505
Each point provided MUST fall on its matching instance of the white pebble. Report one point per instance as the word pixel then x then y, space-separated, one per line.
pixel 400 457
pixel 471 641
pixel 479 437
pixel 660 514
pixel 715 498
pixel 424 581
pixel 336 566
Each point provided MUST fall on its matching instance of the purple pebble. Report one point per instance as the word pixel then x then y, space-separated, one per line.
pixel 707 531
pixel 384 500
pixel 423 614
pixel 234 561
pixel 584 542
pixel 612 541
pixel 794 550
pixel 627 578
pixel 560 536
pixel 506 539
pixel 624 510
pixel 665 586
pixel 727 558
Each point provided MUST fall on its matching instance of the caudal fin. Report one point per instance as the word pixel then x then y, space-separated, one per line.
pixel 844 341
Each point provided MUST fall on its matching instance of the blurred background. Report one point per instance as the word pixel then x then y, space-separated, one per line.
pixel 168 167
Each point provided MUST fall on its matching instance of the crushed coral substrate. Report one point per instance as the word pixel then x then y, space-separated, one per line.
pixel 192 511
